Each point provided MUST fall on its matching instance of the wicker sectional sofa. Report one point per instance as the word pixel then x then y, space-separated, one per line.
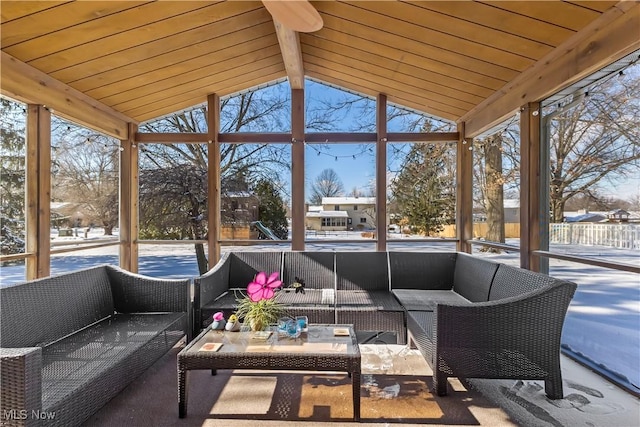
pixel 70 343
pixel 469 317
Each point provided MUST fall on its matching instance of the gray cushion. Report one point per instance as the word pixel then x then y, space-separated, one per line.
pixel 473 276
pixel 245 265
pixel 423 270
pixel 362 271
pixel 315 268
pixel 416 299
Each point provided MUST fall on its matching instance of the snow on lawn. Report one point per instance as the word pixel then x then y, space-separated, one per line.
pixel 602 323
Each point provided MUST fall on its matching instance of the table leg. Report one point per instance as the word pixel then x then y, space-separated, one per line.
pixel 182 393
pixel 355 381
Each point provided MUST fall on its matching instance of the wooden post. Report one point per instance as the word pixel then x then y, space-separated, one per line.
pixel 129 170
pixel 38 189
pixel 530 185
pixel 213 177
pixel 297 170
pixel 464 191
pixel 381 172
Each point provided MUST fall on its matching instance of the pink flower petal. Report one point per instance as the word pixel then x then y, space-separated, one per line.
pixel 268 293
pixel 261 278
pixel 254 287
pixel 256 297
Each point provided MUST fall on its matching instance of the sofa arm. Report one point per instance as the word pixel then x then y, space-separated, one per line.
pixel 527 323
pixel 135 293
pixel 212 284
pixel 20 385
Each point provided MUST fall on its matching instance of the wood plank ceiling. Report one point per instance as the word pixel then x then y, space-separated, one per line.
pixel 148 59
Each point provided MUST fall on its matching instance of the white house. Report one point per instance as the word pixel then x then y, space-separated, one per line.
pixel 342 213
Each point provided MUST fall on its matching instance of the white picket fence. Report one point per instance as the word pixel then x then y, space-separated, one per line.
pixel 625 236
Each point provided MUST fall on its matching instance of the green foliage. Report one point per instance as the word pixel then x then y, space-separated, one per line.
pixel 423 192
pixel 12 171
pixel 271 211
pixel 259 314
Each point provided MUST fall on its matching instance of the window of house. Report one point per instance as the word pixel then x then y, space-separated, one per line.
pixel 363 220
pixel 355 207
pixel 336 208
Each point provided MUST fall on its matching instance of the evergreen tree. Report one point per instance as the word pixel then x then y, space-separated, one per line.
pixel 12 171
pixel 423 191
pixel 271 211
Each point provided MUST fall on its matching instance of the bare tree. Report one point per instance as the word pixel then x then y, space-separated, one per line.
pixel 85 172
pixel 597 142
pixel 326 184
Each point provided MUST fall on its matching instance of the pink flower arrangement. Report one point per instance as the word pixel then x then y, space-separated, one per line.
pixel 263 287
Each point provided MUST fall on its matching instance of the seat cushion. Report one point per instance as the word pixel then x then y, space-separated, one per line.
pixel 108 353
pixel 413 299
pixel 371 300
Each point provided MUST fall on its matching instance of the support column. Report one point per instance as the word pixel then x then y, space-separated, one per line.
pixel 464 191
pixel 297 170
pixel 381 172
pixel 530 185
pixel 38 189
pixel 129 173
pixel 213 179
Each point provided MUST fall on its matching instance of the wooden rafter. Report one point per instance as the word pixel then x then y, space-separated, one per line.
pixel 24 83
pixel 289 41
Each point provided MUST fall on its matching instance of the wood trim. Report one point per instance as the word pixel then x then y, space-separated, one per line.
pixel 530 186
pixel 38 188
pixel 464 192
pixel 589 261
pixel 423 137
pixel 297 170
pixel 129 201
pixel 172 138
pixel 213 179
pixel 289 41
pixel 340 137
pixel 381 172
pixel 27 84
pixel 610 37
pixel 254 137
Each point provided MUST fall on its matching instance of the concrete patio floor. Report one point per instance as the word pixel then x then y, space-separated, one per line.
pixel 590 400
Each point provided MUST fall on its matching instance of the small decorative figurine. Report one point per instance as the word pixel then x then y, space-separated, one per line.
pixel 233 325
pixel 218 321
pixel 298 285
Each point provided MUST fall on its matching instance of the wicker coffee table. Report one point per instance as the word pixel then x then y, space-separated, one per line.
pixel 319 349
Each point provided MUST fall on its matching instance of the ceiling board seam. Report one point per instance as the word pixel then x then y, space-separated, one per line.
pixel 181 83
pixel 457 36
pixel 400 75
pixel 385 60
pixel 105 39
pixel 72 26
pixel 495 6
pixel 173 64
pixel 375 85
pixel 446 64
pixel 35 13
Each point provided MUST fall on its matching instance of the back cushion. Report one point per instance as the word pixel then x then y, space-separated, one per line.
pixel 362 271
pixel 245 266
pixel 315 268
pixel 473 276
pixel 41 311
pixel 512 281
pixel 422 270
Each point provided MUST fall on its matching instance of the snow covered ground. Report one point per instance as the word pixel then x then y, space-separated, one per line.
pixel 602 324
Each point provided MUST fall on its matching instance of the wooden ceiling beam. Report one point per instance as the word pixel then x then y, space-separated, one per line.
pixel 24 83
pixel 289 41
pixel 608 38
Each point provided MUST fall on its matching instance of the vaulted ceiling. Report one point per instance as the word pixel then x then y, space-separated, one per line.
pixel 113 62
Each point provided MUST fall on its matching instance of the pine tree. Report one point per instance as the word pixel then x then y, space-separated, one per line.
pixel 423 192
pixel 12 171
pixel 271 211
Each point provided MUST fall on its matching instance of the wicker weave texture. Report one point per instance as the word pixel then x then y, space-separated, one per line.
pixel 245 265
pixel 368 271
pixel 422 270
pixel 20 385
pixel 315 268
pixel 473 277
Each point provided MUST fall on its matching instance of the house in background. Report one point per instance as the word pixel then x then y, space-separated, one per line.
pixel 342 214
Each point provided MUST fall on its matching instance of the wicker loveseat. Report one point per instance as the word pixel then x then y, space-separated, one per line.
pixel 473 318
pixel 70 343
